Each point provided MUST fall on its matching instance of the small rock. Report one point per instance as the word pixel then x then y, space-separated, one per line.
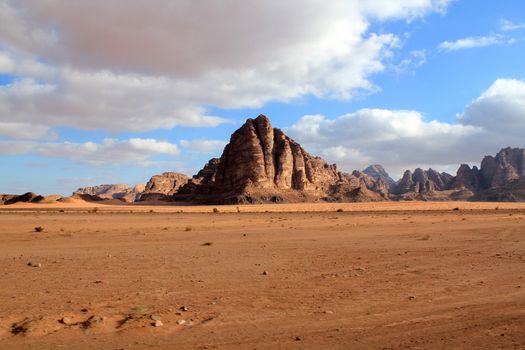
pixel 297 338
pixel 411 297
pixel 66 320
pixel 184 308
pixel 265 273
pixel 180 322
pixel 158 323
pixel 328 312
pixel 155 317
pixel 32 264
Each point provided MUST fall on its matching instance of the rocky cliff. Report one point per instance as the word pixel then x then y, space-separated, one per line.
pixel 422 181
pixel 109 191
pixel 377 172
pixel 261 163
pixel 162 187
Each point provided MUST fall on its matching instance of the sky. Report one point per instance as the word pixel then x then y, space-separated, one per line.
pixel 95 91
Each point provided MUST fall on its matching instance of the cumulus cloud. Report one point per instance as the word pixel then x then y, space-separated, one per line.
pixel 471 42
pixel 399 139
pixel 136 151
pixel 500 108
pixel 142 66
pixel 204 145
pixel 26 131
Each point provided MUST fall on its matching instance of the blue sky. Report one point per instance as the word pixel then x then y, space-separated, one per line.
pixel 86 98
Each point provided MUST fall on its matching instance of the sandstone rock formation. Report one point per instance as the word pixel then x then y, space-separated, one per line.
pixel 261 163
pixel 109 191
pixel 26 197
pixel 377 172
pixel 162 187
pixel 506 166
pixel 422 181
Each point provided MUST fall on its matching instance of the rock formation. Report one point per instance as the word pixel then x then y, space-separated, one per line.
pixel 26 198
pixel 109 191
pixel 506 166
pixel 162 187
pixel 377 172
pixel 422 181
pixel 261 163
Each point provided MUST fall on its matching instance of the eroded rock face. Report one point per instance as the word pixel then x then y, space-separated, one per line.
pixel 467 178
pixel 162 187
pixel 377 172
pixel 422 181
pixel 26 197
pixel 260 157
pixel 261 163
pixel 109 191
pixel 506 166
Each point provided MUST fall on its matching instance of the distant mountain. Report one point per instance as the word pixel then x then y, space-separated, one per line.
pixel 109 191
pixel 422 181
pixel 377 172
pixel 262 164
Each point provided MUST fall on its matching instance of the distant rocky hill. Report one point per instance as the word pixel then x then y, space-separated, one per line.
pixel 162 187
pixel 377 172
pixel 110 191
pixel 262 164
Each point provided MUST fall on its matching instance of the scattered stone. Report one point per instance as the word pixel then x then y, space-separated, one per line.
pixel 329 312
pixel 184 308
pixel 265 273
pixel 39 229
pixel 181 322
pixel 411 297
pixel 66 320
pixel 155 317
pixel 32 264
pixel 158 323
pixel 298 339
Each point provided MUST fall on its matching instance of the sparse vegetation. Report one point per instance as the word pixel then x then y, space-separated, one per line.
pixel 215 210
pixel 94 210
pixel 340 210
pixel 455 209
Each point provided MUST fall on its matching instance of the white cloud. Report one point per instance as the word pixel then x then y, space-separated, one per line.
pixel 471 42
pixel 204 145
pixel 501 107
pixel 135 151
pixel 142 66
pixel 507 25
pixel 405 139
pixel 26 131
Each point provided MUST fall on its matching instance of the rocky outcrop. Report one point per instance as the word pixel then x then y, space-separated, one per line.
pixel 261 157
pixel 506 166
pixel 466 177
pixel 261 163
pixel 377 172
pixel 109 191
pixel 162 187
pixel 26 198
pixel 422 181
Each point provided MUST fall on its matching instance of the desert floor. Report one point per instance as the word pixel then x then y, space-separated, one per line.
pixel 374 276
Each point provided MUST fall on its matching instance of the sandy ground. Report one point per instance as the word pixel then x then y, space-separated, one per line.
pixel 375 276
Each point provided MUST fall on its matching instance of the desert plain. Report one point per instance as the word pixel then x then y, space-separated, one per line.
pixel 391 275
